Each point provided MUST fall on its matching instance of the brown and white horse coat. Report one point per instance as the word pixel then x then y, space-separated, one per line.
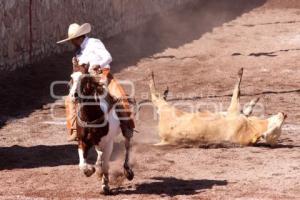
pixel 176 126
pixel 97 125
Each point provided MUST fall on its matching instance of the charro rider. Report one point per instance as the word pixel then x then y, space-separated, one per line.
pixel 91 52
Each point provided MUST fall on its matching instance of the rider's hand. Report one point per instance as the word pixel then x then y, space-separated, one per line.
pixel 103 80
pixel 75 61
pixel 104 75
pixel 95 69
pixel 75 64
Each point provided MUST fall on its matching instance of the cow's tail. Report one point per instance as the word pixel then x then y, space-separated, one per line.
pixel 156 99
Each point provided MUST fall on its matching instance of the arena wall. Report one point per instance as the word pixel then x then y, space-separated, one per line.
pixel 30 28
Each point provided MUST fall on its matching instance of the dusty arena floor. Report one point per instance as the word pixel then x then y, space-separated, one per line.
pixel 196 53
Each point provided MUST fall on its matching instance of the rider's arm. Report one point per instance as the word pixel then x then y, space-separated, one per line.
pixel 100 55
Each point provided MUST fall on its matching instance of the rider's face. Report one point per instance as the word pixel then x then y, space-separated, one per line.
pixel 75 42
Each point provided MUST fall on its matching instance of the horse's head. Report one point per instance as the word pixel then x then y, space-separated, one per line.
pixel 85 86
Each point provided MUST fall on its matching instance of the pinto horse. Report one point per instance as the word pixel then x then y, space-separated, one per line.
pixel 97 125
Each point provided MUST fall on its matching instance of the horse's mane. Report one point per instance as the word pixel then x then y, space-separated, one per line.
pixel 91 83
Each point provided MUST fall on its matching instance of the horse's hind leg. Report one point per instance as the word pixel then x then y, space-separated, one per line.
pixel 127 170
pixel 235 108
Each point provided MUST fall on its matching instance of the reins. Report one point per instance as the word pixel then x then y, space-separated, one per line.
pixel 99 120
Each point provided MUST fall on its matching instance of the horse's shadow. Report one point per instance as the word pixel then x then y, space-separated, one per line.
pixel 18 157
pixel 170 186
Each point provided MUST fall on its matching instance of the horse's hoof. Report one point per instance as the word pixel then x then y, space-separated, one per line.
pixel 129 174
pixel 89 171
pixel 99 174
pixel 106 190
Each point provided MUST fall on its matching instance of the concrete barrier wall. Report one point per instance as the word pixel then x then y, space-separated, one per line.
pixel 30 28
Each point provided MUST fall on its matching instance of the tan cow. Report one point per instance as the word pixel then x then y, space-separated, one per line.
pixel 233 126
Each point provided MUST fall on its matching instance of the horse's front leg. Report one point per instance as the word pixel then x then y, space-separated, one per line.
pixel 104 173
pixel 128 172
pixel 99 162
pixel 87 169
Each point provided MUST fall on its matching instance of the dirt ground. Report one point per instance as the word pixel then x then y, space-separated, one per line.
pixel 196 52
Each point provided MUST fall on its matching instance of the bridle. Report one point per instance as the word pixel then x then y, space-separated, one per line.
pixel 94 99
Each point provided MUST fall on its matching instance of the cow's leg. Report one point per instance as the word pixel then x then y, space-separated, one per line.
pixel 105 167
pixel 162 143
pixel 87 169
pixel 128 172
pixel 235 108
pixel 248 108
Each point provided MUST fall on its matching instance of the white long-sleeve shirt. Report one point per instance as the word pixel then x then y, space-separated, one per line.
pixel 93 52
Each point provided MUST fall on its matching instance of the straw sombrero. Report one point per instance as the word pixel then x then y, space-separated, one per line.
pixel 76 30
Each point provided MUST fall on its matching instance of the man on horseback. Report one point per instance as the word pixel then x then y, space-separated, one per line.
pixel 92 53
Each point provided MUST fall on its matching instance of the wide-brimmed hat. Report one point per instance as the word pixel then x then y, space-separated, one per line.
pixel 76 30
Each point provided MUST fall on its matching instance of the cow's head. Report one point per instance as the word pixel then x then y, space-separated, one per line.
pixel 274 128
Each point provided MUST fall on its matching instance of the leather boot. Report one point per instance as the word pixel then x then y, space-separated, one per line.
pixel 126 122
pixel 72 135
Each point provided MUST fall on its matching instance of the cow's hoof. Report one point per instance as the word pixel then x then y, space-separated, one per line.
pixel 106 190
pixel 89 171
pixel 240 73
pixel 129 174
